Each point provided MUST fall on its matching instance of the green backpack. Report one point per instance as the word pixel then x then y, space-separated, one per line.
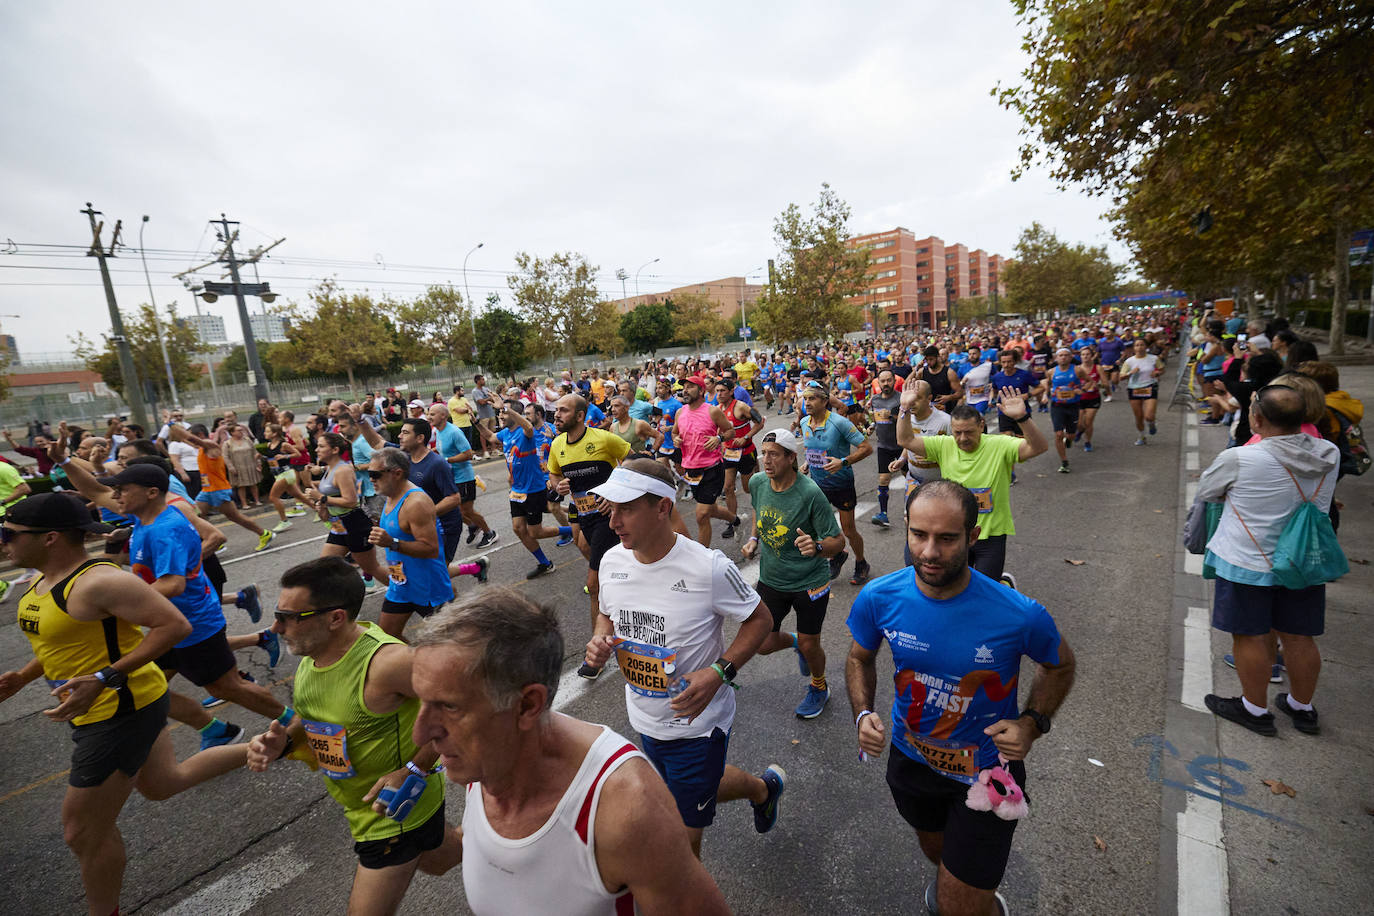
pixel 1307 553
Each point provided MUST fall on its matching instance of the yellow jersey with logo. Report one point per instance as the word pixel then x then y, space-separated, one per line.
pixel 587 463
pixel 69 648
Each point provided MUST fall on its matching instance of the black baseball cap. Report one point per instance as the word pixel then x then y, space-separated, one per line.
pixel 55 512
pixel 139 475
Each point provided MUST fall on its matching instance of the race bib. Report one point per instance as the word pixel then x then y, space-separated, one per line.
pixel 396 572
pixel 815 457
pixel 816 594
pixel 984 497
pixel 977 392
pixel 1063 394
pixel 882 415
pixel 693 478
pixel 949 758
pixel 642 665
pixel 517 497
pixel 1142 394
pixel 330 744
pixel 336 525
pixel 733 454
pixel 585 503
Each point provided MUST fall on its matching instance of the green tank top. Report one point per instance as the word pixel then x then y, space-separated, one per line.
pixel 637 443
pixel 354 746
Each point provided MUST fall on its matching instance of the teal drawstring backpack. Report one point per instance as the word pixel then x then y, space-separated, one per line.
pixel 1307 553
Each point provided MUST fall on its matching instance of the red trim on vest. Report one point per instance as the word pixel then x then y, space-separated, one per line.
pixel 625 904
pixel 585 814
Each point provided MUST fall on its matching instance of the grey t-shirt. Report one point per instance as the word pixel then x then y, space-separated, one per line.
pixel 885 420
pixel 484 411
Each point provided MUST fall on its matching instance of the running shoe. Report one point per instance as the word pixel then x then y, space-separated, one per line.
pixel 587 672
pixel 1009 581
pixel 1304 720
pixel 472 534
pixel 221 548
pixel 268 641
pixel 802 666
pixel 4 589
pixel 766 814
pixel 730 528
pixel 218 734
pixel 881 520
pixel 931 909
pixel 210 702
pixel 1275 673
pixel 1233 710
pixel 563 540
pixel 281 526
pixel 247 599
pixel 1064 467
pixel 1087 446
pixel 1206 421
pixel 837 563
pixel 264 539
pixel 1107 399
pixel 483 564
pixel 373 587
pixel 296 512
pixel 1078 435
pixel 540 569
pixel 487 540
pixel 861 572
pixel 1153 428
pixel 814 701
pixel 1140 441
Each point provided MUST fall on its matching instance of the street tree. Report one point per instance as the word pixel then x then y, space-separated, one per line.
pixel 815 275
pixel 436 325
pixel 344 331
pixel 696 321
pixel 647 327
pixel 141 330
pixel 1110 83
pixel 501 339
pixel 557 296
pixel 1048 274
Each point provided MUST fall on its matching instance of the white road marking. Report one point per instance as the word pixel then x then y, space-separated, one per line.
pixel 862 509
pixel 1192 564
pixel 1203 888
pixel 263 553
pixel 1192 418
pixel 1190 438
pixel 1190 492
pixel 237 891
pixel 1190 461
pixel 1197 658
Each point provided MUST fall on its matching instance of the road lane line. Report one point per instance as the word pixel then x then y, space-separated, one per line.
pixel 862 509
pixel 244 886
pixel 1192 564
pixel 1190 461
pixel 1197 659
pixel 263 553
pixel 1190 438
pixel 1203 888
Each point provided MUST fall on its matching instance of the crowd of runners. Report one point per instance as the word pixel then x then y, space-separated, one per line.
pixel 562 815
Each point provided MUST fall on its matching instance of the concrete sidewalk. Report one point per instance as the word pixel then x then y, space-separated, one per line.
pixel 1244 845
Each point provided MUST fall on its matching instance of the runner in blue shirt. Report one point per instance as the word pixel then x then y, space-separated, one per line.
pixel 448 440
pixel 957 638
pixel 831 445
pixel 528 476
pixel 1021 380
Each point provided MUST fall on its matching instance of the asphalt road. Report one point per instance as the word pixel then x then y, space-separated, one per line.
pixel 1097 547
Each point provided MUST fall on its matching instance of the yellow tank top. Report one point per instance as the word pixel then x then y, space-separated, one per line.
pixel 69 648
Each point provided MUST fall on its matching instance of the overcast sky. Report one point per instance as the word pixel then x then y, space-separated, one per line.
pixel 405 133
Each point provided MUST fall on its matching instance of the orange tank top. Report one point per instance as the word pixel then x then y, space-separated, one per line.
pixel 213 475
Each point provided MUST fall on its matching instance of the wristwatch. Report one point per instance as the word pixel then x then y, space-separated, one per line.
pixel 112 677
pixel 727 669
pixel 1041 720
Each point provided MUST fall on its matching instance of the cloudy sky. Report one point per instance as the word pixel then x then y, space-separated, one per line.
pixel 403 134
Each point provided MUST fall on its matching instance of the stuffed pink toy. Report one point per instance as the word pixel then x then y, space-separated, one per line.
pixel 997 791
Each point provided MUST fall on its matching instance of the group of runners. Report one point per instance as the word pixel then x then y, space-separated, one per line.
pixel 562 815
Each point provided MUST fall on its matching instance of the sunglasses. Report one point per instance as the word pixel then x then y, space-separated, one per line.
pixel 283 619
pixel 9 534
pixel 375 475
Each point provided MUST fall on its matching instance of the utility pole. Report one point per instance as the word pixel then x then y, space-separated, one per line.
pixel 133 394
pixel 157 322
pixel 250 346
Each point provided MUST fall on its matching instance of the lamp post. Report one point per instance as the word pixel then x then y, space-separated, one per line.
pixel 157 322
pixel 641 267
pixel 622 276
pixel 468 295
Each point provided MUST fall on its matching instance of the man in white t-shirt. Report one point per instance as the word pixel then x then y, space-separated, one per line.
pixel 664 599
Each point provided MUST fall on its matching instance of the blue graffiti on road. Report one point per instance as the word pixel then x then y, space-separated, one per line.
pixel 1206 770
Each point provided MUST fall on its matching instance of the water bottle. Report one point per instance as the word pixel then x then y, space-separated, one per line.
pixel 675 685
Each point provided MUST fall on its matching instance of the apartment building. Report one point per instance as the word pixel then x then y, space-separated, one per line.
pixel 727 294
pixel 914 281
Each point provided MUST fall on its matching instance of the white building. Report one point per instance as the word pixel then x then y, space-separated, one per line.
pixel 209 327
pixel 267 328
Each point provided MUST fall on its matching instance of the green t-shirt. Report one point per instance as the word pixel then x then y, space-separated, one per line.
pixel 986 471
pixel 10 479
pixel 779 515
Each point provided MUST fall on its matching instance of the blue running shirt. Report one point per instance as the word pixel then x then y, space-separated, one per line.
pixel 170 546
pixel 524 459
pixel 956 663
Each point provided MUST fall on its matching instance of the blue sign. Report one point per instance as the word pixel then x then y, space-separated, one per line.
pixel 1361 247
pixel 746 331
pixel 1144 297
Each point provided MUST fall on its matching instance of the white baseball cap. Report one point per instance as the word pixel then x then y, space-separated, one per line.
pixel 418 403
pixel 783 438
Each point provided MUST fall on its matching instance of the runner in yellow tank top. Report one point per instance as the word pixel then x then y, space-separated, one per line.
pixel 83 620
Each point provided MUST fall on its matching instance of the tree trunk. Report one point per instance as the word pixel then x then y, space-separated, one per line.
pixel 1281 299
pixel 1341 294
pixel 352 387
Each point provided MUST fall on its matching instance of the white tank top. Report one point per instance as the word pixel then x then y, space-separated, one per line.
pixel 554 868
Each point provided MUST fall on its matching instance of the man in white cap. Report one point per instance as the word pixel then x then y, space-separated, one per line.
pixel 795 534
pixel 664 602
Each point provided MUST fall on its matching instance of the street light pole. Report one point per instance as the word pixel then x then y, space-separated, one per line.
pixel 622 276
pixel 157 322
pixel 472 321
pixel 133 394
pixel 641 267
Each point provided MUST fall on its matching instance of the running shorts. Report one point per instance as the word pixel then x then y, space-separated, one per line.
pixel 600 538
pixel 1064 417
pixel 745 465
pixel 810 605
pixel 215 497
pixel 709 483
pixel 842 497
pixel 531 507
pixel 118 743
pixel 350 530
pixel 408 607
pixel 398 850
pixel 1145 394
pixel 467 490
pixel 201 663
pixel 692 768
pixel 885 459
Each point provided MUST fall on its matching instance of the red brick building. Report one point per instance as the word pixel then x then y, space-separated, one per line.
pixel 913 281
